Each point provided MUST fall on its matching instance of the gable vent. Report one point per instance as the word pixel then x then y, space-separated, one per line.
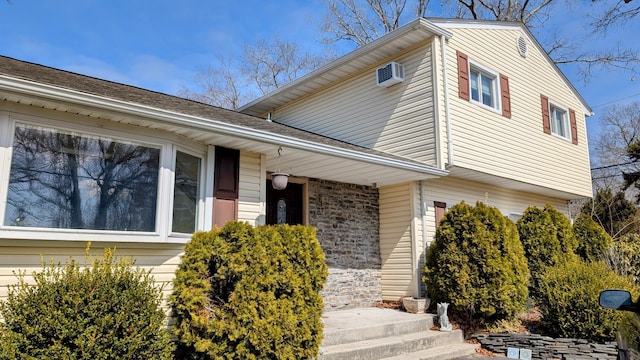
pixel 390 74
pixel 523 48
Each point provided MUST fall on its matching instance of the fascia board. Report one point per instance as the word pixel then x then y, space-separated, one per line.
pixel 50 92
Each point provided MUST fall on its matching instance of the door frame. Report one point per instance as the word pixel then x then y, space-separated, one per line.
pixel 305 197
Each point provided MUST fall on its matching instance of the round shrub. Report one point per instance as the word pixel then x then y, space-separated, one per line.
pixel 593 241
pixel 476 263
pixel 107 309
pixel 548 239
pixel 568 300
pixel 250 293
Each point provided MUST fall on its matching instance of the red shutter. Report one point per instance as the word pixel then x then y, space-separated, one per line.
pixel 506 96
pixel 463 75
pixel 574 126
pixel 225 186
pixel 441 208
pixel 546 121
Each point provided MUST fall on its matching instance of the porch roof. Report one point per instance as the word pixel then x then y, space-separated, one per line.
pixel 304 154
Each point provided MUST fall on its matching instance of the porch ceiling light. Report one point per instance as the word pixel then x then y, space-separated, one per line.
pixel 279 180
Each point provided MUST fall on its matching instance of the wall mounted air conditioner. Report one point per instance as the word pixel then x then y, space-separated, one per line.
pixel 390 74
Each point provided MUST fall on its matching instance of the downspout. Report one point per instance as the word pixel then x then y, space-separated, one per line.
pixel 447 112
pixel 423 209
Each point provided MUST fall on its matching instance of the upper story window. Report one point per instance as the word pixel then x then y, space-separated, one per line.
pixel 483 86
pixel 68 180
pixel 558 120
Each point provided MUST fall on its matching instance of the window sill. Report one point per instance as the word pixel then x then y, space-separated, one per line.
pixel 497 111
pixel 17 233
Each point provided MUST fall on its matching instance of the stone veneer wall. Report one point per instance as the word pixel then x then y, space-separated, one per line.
pixel 346 217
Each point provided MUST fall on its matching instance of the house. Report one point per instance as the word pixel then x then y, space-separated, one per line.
pixel 480 100
pixel 477 112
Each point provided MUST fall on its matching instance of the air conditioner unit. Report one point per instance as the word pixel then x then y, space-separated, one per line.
pixel 390 74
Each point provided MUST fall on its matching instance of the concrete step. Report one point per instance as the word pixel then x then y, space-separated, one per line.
pixel 447 352
pixel 366 325
pixel 389 346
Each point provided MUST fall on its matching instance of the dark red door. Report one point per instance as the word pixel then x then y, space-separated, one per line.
pixel 284 206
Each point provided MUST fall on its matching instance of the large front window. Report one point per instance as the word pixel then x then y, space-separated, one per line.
pixel 63 179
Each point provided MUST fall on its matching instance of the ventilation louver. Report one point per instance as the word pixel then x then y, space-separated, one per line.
pixel 523 48
pixel 390 74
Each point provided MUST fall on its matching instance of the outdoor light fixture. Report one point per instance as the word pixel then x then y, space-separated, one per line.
pixel 279 180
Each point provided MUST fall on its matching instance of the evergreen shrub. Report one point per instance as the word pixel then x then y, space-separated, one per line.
pixel 106 309
pixel 548 239
pixel 593 241
pixel 477 264
pixel 250 293
pixel 568 300
pixel 624 256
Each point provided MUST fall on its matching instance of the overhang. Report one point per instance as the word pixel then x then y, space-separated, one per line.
pixel 303 154
pixel 365 56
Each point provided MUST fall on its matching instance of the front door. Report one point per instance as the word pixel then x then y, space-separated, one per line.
pixel 284 206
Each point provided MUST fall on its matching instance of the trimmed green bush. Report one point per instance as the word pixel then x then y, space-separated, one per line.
pixel 476 263
pixel 107 309
pixel 593 241
pixel 548 239
pixel 568 300
pixel 250 293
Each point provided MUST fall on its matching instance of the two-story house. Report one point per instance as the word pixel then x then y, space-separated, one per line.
pixel 480 100
pixel 377 144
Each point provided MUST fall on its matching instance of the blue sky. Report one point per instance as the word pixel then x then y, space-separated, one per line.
pixel 161 44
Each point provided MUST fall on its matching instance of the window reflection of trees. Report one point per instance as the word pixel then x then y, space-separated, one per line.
pixel 62 180
pixel 185 195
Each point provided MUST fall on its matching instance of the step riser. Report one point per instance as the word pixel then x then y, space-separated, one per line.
pixel 387 350
pixel 376 332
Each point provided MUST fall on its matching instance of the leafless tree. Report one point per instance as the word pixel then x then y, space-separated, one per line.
pixel 618 12
pixel 219 85
pixel 620 128
pixel 263 67
pixel 361 21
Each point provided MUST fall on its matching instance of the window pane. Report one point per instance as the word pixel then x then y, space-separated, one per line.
pixel 487 90
pixel 185 193
pixel 558 122
pixel 72 181
pixel 475 94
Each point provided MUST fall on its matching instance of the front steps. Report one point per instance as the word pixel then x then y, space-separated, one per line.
pixel 373 333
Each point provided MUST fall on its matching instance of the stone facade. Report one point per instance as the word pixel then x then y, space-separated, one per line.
pixel 346 217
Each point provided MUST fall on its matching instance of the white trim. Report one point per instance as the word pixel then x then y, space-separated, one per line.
pixel 208 188
pixel 201 195
pixel 566 121
pixel 164 196
pixel 79 98
pixel 417 24
pixel 495 88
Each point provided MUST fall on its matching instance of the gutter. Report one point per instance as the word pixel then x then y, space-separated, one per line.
pixel 26 87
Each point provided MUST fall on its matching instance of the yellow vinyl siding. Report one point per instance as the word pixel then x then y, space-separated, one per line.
pixel 396 241
pixel 453 190
pixel 161 260
pixel 250 203
pixel 515 148
pixel 398 120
